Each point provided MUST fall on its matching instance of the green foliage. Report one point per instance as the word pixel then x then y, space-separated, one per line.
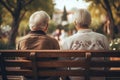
pixel 71 26
pixel 100 9
pixel 46 5
pixel 51 27
pixel 3 46
pixel 66 27
pixel 23 30
pixel 100 29
pixel 115 44
pixel 3 43
pixel 15 11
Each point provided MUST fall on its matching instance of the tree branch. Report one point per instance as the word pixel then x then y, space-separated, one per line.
pixel 22 15
pixel 7 7
pixel 30 1
pixel 8 2
pixel 26 3
pixel 117 8
pixel 114 5
pixel 103 6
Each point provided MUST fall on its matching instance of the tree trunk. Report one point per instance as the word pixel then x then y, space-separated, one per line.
pixel 13 34
pixel 112 25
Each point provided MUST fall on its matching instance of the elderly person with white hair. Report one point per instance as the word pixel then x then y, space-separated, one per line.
pixel 37 39
pixel 85 38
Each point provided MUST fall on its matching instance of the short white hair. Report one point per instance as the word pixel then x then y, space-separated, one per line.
pixel 38 20
pixel 82 17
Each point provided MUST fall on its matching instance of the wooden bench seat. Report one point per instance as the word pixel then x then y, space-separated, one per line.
pixel 37 63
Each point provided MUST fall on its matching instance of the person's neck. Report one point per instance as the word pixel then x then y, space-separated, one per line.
pixel 37 32
pixel 82 28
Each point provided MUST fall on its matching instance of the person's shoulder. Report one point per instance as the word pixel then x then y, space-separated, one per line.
pixel 98 34
pixel 50 38
pixel 71 37
pixel 23 38
pixel 68 39
pixel 20 41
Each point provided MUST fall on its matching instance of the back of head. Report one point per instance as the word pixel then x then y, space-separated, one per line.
pixel 82 18
pixel 38 20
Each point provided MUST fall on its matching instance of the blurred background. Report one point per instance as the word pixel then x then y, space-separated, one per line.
pixel 14 16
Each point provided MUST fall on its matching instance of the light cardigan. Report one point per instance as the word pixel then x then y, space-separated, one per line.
pixel 85 39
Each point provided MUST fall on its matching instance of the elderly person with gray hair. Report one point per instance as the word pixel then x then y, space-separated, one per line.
pixel 85 38
pixel 37 39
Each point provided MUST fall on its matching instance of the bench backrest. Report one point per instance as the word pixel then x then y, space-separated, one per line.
pixel 38 63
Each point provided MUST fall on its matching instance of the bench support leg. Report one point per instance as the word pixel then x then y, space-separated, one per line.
pixel 2 66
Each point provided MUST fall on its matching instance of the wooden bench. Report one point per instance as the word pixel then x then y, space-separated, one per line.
pixel 32 64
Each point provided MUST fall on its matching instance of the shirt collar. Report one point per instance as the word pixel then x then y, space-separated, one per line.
pixel 37 32
pixel 84 30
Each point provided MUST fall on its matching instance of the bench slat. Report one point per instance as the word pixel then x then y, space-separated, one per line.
pixel 62 73
pixel 18 63
pixel 66 73
pixel 105 63
pixel 80 73
pixel 111 73
pixel 19 72
pixel 60 54
pixel 65 63
pixel 105 54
